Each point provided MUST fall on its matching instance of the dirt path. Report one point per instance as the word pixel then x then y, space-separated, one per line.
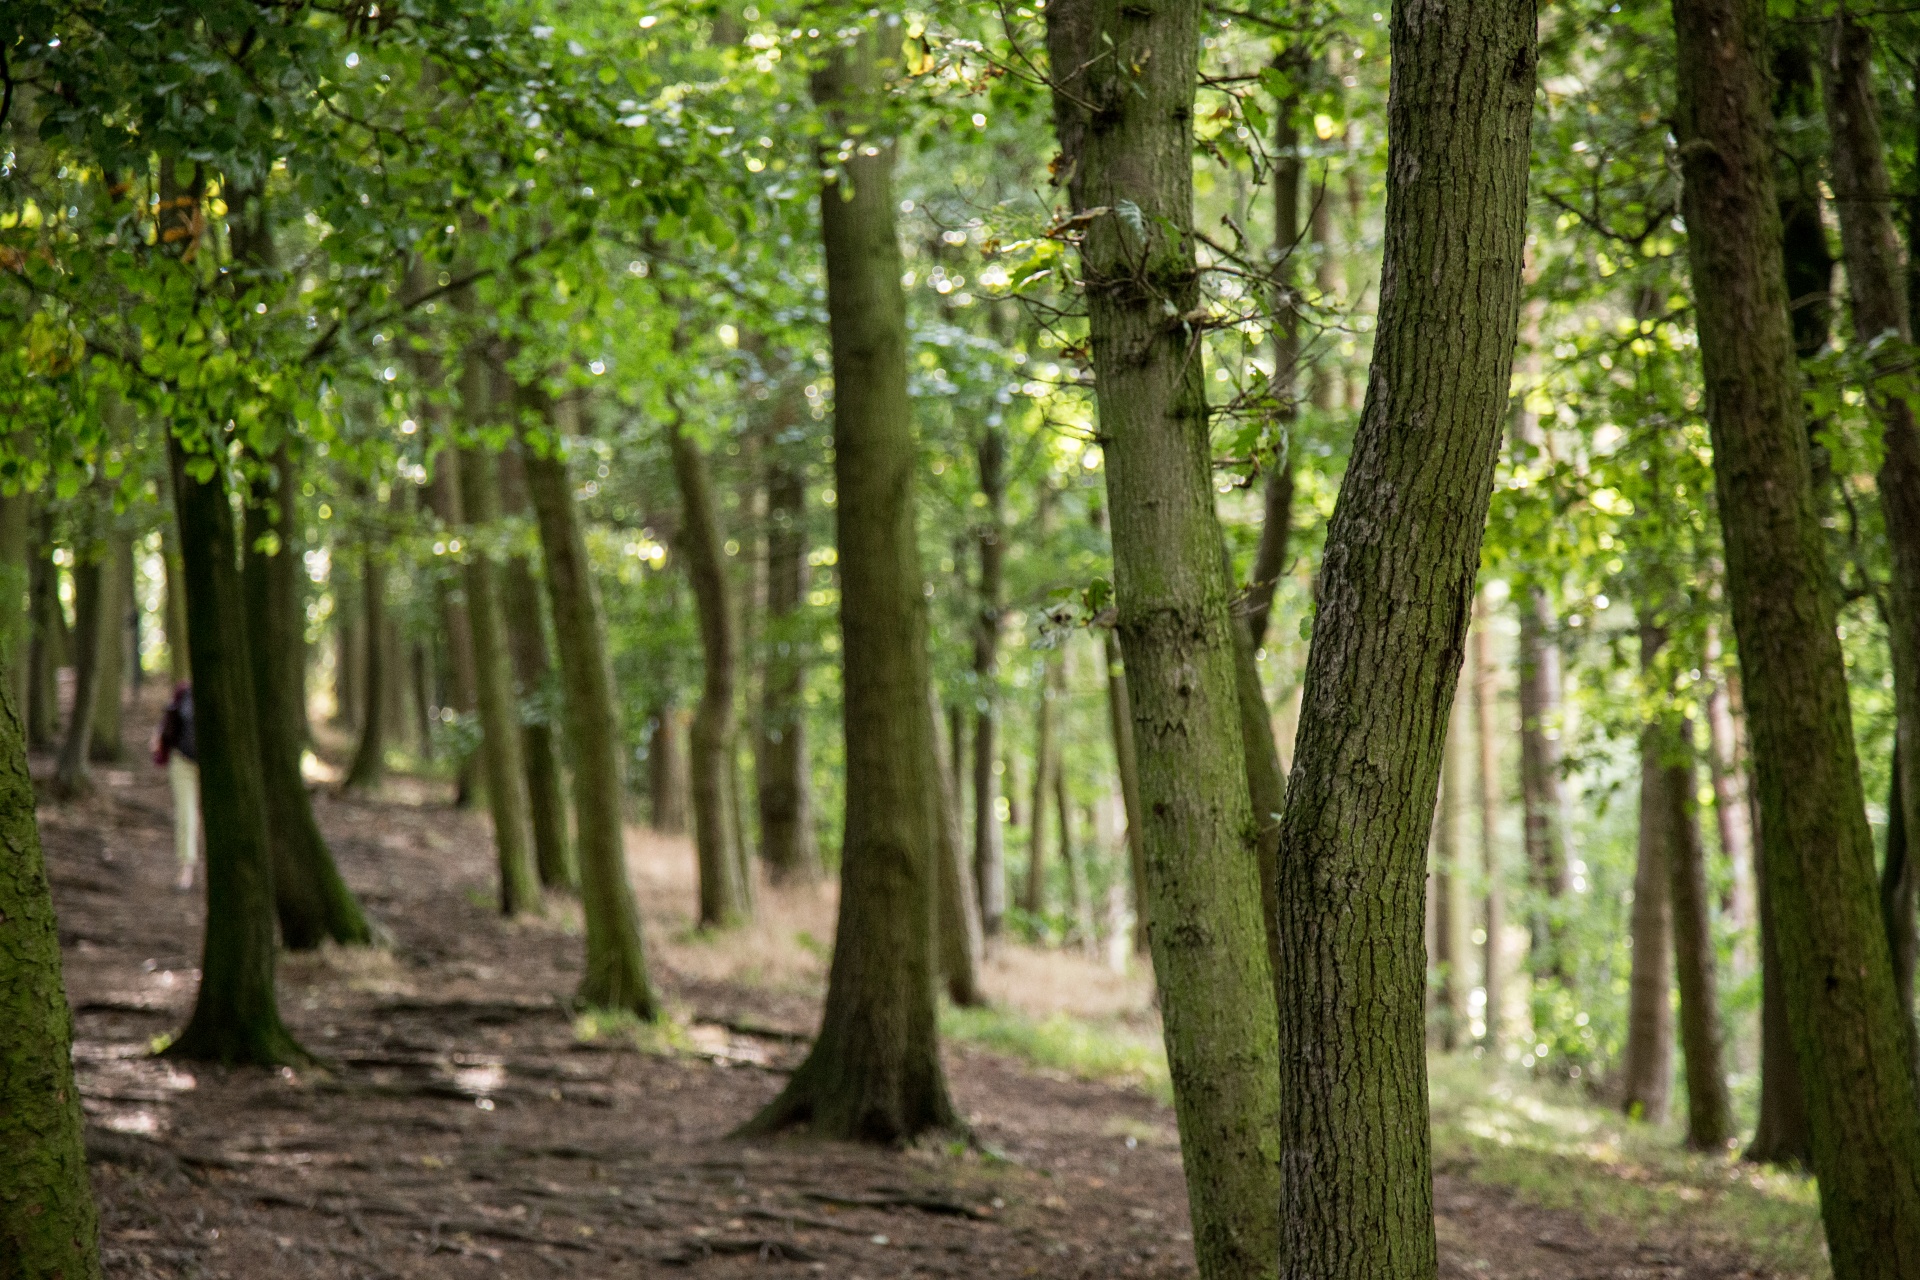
pixel 466 1129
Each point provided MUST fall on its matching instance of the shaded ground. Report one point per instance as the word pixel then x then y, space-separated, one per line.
pixel 466 1128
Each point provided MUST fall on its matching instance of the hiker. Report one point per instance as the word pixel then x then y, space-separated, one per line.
pixel 173 748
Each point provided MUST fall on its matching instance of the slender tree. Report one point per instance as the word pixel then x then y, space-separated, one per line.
pixel 1396 594
pixel 960 939
pixel 1123 92
pixel 1487 794
pixel 369 767
pixel 989 845
pixel 1816 849
pixel 1646 1066
pixel 91 600
pixel 105 744
pixel 874 1070
pixel 1709 1108
pixel 1450 910
pixel 780 756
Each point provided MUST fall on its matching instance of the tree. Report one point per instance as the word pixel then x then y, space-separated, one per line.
pixel 989 848
pixel 92 598
pixel 1396 593
pixel 104 743
pixel 1646 1068
pixel 48 1225
pixel 369 767
pixel 874 1071
pixel 1817 853
pixel 1123 93
pixel 780 756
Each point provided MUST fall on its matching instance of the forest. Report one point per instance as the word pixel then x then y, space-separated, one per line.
pixel 1063 638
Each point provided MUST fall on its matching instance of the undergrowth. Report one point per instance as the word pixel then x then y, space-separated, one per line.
pixel 1105 1051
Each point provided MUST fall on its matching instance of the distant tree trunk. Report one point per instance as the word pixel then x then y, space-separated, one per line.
pixel 1646 1065
pixel 91 603
pixel 493 687
pixel 421 656
pixel 48 1225
pixel 1276 523
pixel 1883 324
pixel 1817 851
pixel 43 688
pixel 1781 1134
pixel 960 940
pixel 16 596
pixel 313 904
pixel 666 772
pixel 1079 902
pixel 1123 108
pixel 989 845
pixel 1540 783
pixel 1732 810
pixel 616 969
pixel 1266 784
pixel 174 617
pixel 369 768
pixel 1450 911
pixel 236 1015
pixel 456 619
pixel 1897 899
pixel 781 778
pixel 1033 899
pixel 1120 726
pixel 957 773
pixel 1396 594
pixel 723 899
pixel 532 670
pixel 1709 1109
pixel 1493 905
pixel 116 603
pixel 874 1071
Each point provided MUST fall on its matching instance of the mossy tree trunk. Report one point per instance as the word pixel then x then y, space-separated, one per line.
pixel 16 597
pixel 780 770
pixel 723 895
pixel 48 1225
pixel 1123 111
pixel 616 974
pixel 532 673
pixel 1396 596
pixel 313 903
pixel 874 1071
pixel 1817 851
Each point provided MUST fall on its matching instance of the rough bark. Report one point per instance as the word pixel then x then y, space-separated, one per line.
pixel 616 972
pixel 105 744
pixel 48 1225
pixel 1396 593
pixel 92 604
pixel 312 902
pixel 780 773
pixel 989 844
pixel 1709 1108
pixel 1817 851
pixel 723 894
pixel 236 1014
pixel 369 768
pixel 874 1071
pixel 1123 106
pixel 532 671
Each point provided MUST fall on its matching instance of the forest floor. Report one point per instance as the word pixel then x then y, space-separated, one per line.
pixel 466 1123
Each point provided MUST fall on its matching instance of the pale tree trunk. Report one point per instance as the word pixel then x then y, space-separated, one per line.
pixel 1817 850
pixel 116 600
pixel 1493 901
pixel 1732 814
pixel 1396 596
pixel 92 605
pixel 874 1071
pixel 1123 108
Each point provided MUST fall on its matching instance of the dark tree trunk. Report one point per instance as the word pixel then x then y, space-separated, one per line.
pixel 313 903
pixel 1817 851
pixel 780 757
pixel 1709 1109
pixel 989 844
pixel 444 498
pixel 1123 112
pixel 667 772
pixel 48 1225
pixel 16 595
pixel 960 940
pixel 1646 1065
pixel 43 661
pixel 369 768
pixel 616 976
pixel 1897 900
pixel 1033 898
pixel 1276 524
pixel 236 1015
pixel 874 1072
pixel 723 895
pixel 116 601
pixel 1120 727
pixel 1782 1134
pixel 532 672
pixel 92 606
pixel 1396 595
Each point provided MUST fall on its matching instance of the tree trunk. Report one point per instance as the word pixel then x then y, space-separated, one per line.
pixel 1266 783
pixel 1897 901
pixel 1731 811
pixel 989 845
pixel 456 619
pixel 1079 904
pixel 313 904
pixel 1883 325
pixel 16 594
pixel 43 660
pixel 722 893
pixel 1276 524
pixel 532 672
pixel 1817 850
pixel 874 1071
pixel 1120 727
pixel 1781 1134
pixel 616 972
pixel 1493 903
pixel 1709 1109
pixel 93 606
pixel 666 772
pixel 780 774
pixel 960 940
pixel 236 1015
pixel 421 656
pixel 1646 1065
pixel 1396 596
pixel 1450 890
pixel 116 600
pixel 48 1225
pixel 493 687
pixel 1123 111
pixel 1033 900
pixel 1540 783
pixel 369 768
pixel 174 619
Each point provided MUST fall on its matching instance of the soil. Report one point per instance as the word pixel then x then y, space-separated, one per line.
pixel 463 1125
